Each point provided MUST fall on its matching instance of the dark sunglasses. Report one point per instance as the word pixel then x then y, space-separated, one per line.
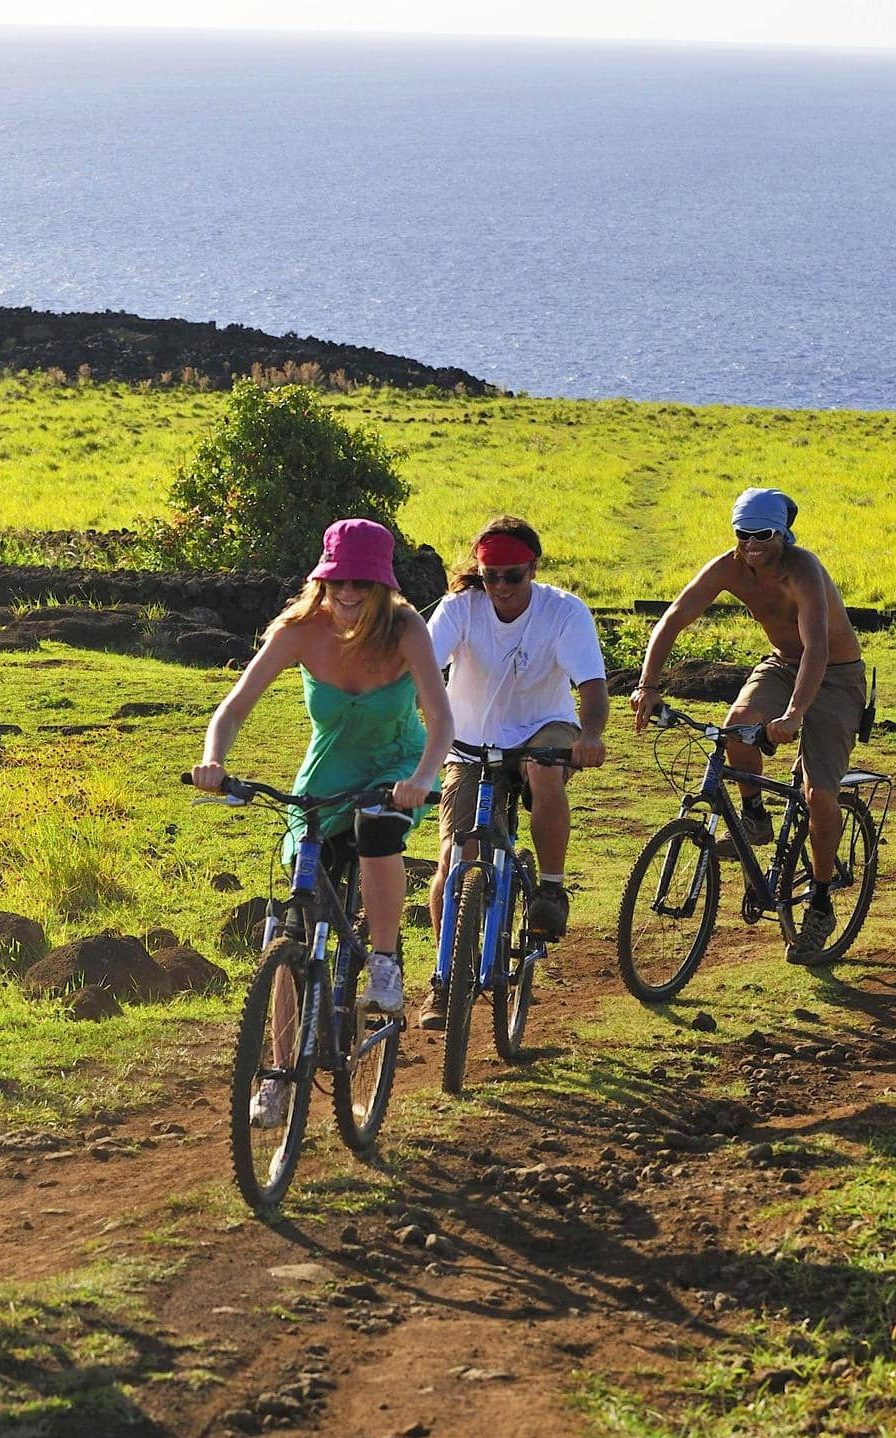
pixel 761 536
pixel 504 576
pixel 355 583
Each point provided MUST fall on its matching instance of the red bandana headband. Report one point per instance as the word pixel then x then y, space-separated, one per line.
pixel 503 549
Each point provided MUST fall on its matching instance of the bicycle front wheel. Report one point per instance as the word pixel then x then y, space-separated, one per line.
pixel 362 1089
pixel 512 981
pixel 462 984
pixel 668 910
pixel 855 872
pixel 273 1072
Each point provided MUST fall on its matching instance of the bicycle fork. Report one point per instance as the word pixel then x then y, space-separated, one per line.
pixel 670 862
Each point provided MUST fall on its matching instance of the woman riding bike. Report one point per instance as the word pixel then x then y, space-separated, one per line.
pixel 366 661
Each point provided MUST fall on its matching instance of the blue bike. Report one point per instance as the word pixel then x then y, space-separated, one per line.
pixel 485 943
pixel 302 1012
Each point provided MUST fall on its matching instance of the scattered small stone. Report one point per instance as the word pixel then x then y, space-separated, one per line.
pixel 775 1380
pixel 491 1177
pixel 411 1236
pixel 361 1290
pixel 385 1261
pixel 440 1246
pixel 760 1153
pixel 301 1272
pixel 241 1418
pixel 481 1375
pixel 791 1175
pixel 549 1144
pixel 225 883
pixel 685 1142
pixel 415 1215
pixel 704 1023
pixel 277 1405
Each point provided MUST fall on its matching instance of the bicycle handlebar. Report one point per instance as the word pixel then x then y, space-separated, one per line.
pixel 547 755
pixel 248 789
pixel 665 717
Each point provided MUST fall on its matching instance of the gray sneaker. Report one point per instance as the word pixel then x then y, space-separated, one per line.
pixel 758 830
pixel 383 991
pixel 816 929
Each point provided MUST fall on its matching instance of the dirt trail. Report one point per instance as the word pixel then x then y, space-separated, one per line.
pixel 573 1235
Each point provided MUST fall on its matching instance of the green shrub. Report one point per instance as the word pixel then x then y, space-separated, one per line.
pixel 264 484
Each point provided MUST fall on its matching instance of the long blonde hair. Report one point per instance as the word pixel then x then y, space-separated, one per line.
pixel 380 623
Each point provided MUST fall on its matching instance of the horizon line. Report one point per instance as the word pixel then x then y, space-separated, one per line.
pixel 315 33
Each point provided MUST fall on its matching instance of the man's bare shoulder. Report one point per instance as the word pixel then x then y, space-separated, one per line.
pixel 799 562
pixel 718 573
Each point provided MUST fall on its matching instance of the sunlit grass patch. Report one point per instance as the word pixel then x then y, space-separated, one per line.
pixel 60 1072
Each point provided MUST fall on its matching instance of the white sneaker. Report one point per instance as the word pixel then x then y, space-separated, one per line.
pixel 383 990
pixel 267 1107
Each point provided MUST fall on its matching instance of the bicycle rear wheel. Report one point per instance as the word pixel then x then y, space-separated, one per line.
pixel 273 1072
pixel 462 984
pixel 361 1090
pixel 855 873
pixel 668 910
pixel 512 983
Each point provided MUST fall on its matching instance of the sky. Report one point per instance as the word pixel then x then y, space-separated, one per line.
pixel 837 23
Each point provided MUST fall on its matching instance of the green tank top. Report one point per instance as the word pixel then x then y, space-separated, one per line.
pixel 356 740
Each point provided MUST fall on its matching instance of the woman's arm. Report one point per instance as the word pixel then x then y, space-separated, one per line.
pixel 417 651
pixel 281 650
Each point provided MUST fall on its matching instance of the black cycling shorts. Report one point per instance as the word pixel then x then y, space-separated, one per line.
pixel 381 834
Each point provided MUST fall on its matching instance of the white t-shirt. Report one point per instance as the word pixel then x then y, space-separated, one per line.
pixel 507 680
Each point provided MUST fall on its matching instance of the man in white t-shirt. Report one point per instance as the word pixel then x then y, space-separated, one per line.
pixel 515 648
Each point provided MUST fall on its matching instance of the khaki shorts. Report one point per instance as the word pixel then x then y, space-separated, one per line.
pixel 831 722
pixel 457 809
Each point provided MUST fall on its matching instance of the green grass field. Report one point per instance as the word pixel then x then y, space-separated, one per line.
pixel 629 498
pixel 98 832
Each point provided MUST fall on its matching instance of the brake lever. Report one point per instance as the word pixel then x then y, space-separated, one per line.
pixel 230 800
pixel 761 741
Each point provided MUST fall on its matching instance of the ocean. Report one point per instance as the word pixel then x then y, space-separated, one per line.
pixel 699 225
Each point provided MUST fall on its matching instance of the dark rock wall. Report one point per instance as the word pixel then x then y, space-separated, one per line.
pixel 241 603
pixel 124 346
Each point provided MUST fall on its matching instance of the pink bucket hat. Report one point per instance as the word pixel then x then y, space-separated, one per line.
pixel 357 549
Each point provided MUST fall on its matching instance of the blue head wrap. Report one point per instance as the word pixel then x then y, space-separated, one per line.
pixel 765 509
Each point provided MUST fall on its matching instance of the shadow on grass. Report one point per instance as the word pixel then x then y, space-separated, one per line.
pixel 46 1389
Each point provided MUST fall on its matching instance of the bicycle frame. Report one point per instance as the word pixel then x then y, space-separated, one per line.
pixel 712 793
pixel 762 887
pixel 313 898
pixel 498 863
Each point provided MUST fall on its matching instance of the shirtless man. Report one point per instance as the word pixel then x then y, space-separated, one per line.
pixel 814 677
